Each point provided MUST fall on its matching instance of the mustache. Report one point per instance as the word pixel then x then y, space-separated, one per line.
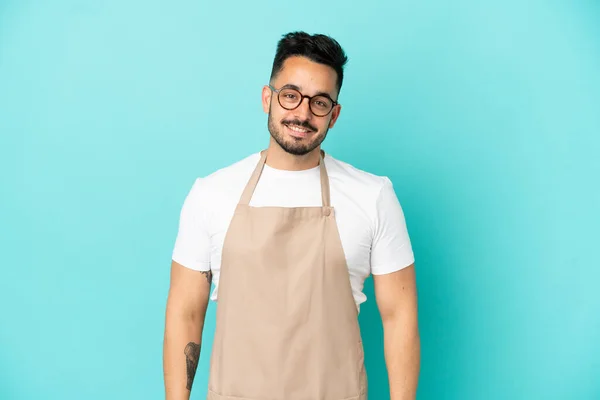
pixel 302 124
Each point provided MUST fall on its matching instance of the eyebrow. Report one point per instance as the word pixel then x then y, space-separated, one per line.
pixel 292 86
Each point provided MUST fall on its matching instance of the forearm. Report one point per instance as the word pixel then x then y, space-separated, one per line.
pixel 402 356
pixel 181 353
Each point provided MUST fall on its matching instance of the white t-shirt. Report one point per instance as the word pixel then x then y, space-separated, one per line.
pixel 370 219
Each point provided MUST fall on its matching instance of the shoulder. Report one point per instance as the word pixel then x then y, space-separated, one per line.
pixel 221 186
pixel 361 194
pixel 230 176
pixel 348 178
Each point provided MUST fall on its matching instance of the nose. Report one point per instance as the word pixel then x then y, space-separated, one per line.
pixel 303 110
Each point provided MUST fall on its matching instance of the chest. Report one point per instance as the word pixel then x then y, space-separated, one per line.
pixel 354 227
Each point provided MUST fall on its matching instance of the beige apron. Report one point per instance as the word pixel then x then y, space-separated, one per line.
pixel 287 324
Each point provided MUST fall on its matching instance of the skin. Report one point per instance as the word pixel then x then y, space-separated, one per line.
pixel 395 293
pixel 396 296
pixel 311 78
pixel 185 315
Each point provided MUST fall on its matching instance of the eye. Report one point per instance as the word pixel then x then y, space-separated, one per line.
pixel 289 95
pixel 322 102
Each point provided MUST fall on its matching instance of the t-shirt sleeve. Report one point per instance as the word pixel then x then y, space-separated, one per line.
pixel 192 246
pixel 391 249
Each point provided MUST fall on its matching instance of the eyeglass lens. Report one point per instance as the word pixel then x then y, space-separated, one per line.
pixel 291 98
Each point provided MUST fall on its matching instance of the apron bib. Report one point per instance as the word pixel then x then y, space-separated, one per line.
pixel 287 323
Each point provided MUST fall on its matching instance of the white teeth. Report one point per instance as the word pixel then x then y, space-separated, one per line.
pixel 296 129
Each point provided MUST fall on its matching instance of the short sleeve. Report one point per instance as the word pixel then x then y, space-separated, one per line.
pixel 192 246
pixel 391 249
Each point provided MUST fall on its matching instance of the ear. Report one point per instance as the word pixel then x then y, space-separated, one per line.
pixel 266 98
pixel 335 113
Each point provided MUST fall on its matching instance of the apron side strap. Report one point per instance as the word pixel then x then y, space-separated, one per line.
pixel 251 185
pixel 325 192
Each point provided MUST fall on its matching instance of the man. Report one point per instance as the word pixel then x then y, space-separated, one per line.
pixel 289 235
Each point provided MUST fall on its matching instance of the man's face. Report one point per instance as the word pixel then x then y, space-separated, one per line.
pixel 299 131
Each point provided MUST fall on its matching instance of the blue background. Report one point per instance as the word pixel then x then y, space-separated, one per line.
pixel 485 115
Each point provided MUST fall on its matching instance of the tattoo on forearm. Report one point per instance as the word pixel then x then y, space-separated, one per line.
pixel 192 355
pixel 208 275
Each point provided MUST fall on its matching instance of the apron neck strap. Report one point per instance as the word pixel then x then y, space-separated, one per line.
pixel 251 185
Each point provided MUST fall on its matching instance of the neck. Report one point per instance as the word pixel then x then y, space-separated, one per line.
pixel 280 159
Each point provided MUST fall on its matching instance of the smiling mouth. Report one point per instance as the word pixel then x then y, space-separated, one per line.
pixel 297 129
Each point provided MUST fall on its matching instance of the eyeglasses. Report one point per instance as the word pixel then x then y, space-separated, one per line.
pixel 290 99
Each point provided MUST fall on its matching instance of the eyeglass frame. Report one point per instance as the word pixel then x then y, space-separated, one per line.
pixel 302 97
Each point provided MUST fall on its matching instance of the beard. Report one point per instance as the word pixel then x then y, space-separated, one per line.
pixel 297 147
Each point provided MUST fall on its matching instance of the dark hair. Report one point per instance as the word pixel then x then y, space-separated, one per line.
pixel 319 48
